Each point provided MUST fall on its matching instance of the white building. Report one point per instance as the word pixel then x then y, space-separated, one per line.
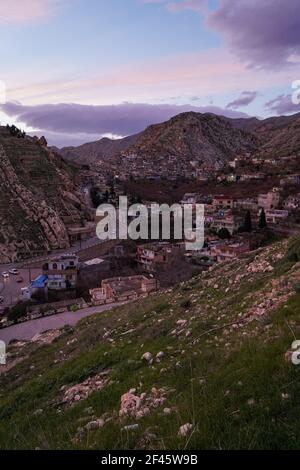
pixel 62 272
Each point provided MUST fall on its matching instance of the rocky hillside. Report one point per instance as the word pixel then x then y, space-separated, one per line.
pixel 205 138
pixel 37 196
pixel 94 151
pixel 278 136
pixel 206 365
pixel 201 137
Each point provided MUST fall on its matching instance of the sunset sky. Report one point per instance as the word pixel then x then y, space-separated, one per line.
pixel 76 70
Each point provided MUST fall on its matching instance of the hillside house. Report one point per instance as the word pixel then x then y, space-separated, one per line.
pixel 119 289
pixel 222 202
pixel 230 250
pixel 270 200
pixel 246 204
pixel 276 216
pixel 80 233
pixel 155 256
pixel 61 272
pixel 224 219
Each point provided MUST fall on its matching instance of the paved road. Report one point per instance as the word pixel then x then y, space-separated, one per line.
pixel 10 289
pixel 27 330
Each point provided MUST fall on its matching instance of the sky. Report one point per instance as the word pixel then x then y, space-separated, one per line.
pixel 78 70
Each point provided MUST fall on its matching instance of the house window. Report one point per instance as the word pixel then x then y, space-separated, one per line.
pixel 54 266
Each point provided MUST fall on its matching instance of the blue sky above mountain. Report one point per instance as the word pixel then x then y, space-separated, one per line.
pixel 102 58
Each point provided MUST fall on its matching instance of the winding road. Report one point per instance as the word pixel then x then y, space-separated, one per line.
pixel 27 330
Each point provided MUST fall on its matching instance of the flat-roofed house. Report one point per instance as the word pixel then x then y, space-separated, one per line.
pixel 223 202
pixel 230 250
pixel 62 272
pixel 117 289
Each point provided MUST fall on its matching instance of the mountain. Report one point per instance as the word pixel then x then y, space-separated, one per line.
pixel 278 136
pixel 206 365
pixel 93 151
pixel 37 196
pixel 195 136
pixel 191 136
pixel 207 139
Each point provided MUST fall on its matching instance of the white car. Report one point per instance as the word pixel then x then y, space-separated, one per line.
pixel 14 271
pixel 5 274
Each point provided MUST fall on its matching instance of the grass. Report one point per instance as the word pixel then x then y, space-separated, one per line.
pixel 232 383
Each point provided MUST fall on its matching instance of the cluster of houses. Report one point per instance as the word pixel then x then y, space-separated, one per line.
pixel 59 274
pixel 244 167
pixel 223 211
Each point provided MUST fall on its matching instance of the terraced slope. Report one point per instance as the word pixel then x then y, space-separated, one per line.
pixel 202 366
pixel 37 195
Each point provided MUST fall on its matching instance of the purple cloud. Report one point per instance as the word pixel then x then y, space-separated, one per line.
pixel 65 124
pixel 263 33
pixel 283 104
pixel 245 99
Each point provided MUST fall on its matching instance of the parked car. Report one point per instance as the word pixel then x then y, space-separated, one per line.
pixel 14 271
pixel 20 279
pixel 1 299
pixel 5 274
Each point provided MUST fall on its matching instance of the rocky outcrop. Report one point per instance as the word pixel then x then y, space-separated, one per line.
pixel 37 196
pixel 201 137
pixel 46 221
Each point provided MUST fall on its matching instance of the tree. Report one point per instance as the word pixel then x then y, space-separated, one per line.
pixel 224 234
pixel 248 222
pixel 262 224
pixel 96 197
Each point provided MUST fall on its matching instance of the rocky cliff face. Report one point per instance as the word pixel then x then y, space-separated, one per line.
pixel 37 197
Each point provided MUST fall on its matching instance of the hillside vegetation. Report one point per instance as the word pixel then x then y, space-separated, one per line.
pixel 216 363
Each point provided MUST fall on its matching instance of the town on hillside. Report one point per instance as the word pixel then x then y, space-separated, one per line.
pixel 248 203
